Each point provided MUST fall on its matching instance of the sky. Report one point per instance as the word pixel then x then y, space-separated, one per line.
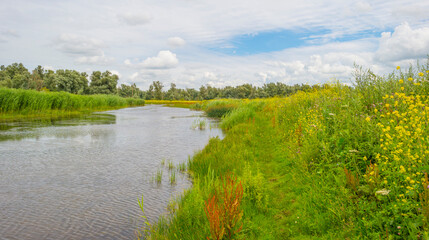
pixel 218 43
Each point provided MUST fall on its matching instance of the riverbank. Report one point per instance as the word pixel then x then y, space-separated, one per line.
pixel 335 163
pixel 174 103
pixel 16 104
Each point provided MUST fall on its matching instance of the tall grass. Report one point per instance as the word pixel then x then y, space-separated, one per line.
pixel 18 101
pixel 220 108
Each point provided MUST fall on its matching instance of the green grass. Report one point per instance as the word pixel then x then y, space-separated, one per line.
pixel 18 103
pixel 294 157
pixel 158 176
pixel 172 177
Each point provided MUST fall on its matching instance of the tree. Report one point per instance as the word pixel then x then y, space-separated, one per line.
pixel 49 80
pixel 18 75
pixel 37 78
pixel 203 93
pixel 103 83
pixel 5 80
pixel 149 93
pixel 172 93
pixel 157 87
pixel 71 81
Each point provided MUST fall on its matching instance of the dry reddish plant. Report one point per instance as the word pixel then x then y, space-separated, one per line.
pixel 352 180
pixel 223 209
pixel 213 213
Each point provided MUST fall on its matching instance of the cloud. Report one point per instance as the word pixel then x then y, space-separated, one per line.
pixel 6 35
pixel 116 73
pixel 363 7
pixel 404 43
pixel 164 60
pixel 176 42
pixel 79 45
pixel 95 60
pixel 134 19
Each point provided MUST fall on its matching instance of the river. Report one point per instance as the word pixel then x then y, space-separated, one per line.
pixel 81 178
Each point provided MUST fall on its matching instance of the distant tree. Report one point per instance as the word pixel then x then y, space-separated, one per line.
pixel 103 83
pixel 5 80
pixel 212 92
pixel 203 93
pixel 192 93
pixel 49 80
pixel 173 93
pixel 71 81
pixel 37 78
pixel 157 87
pixel 149 93
pixel 130 91
pixel 18 75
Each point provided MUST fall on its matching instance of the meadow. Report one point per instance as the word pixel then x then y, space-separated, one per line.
pixel 18 103
pixel 334 163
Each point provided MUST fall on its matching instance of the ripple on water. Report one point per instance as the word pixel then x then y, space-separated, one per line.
pixel 81 179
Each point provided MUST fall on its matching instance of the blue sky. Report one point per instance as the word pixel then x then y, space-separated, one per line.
pixel 277 40
pixel 218 43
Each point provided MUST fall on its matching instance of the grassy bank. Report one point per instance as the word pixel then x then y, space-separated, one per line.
pixel 174 103
pixel 18 103
pixel 336 163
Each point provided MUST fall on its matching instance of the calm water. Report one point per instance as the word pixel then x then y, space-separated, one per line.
pixel 81 178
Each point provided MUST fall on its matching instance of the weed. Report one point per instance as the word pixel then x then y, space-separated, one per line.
pixel 182 167
pixel 158 176
pixel 172 177
pixel 352 180
pixel 170 165
pixel 223 209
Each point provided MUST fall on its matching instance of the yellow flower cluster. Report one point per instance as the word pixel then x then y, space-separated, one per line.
pixel 403 144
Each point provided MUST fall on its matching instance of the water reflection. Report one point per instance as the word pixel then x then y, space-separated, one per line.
pixel 37 128
pixel 81 178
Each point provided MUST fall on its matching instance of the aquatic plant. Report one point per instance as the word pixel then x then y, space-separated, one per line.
pixel 172 177
pixel 18 101
pixel 158 176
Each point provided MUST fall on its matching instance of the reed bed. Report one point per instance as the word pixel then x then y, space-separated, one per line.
pixel 31 102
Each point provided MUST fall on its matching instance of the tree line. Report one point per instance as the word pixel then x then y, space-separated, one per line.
pixel 72 81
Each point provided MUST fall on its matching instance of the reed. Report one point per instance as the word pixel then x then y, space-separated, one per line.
pixel 172 177
pixel 31 102
pixel 158 176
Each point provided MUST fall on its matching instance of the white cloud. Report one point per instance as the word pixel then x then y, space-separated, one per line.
pixel 134 75
pixel 95 60
pixel 404 43
pixel 363 6
pixel 176 42
pixel 164 60
pixel 127 62
pixel 134 19
pixel 6 35
pixel 116 73
pixel 49 68
pixel 79 45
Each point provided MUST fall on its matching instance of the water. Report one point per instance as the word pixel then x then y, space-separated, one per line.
pixel 81 178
